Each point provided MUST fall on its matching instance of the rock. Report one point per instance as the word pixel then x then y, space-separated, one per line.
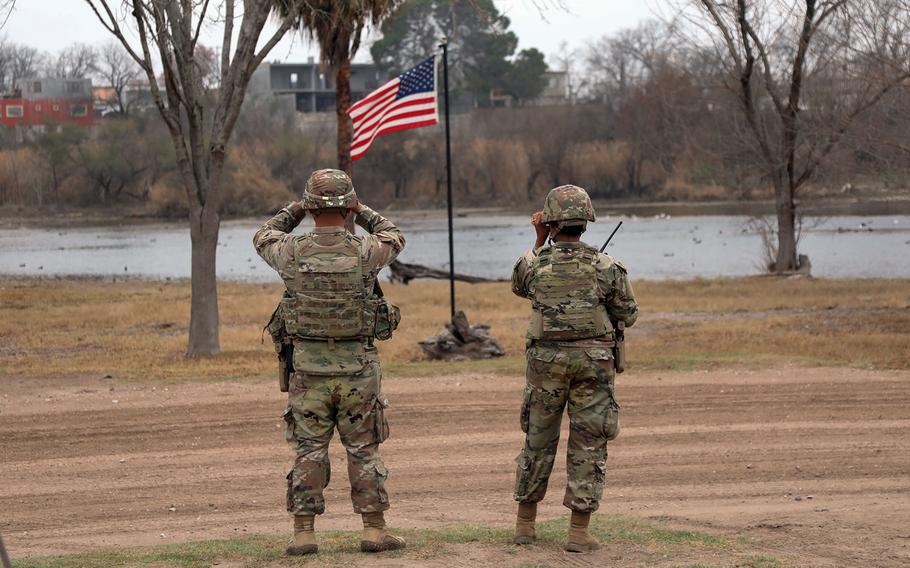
pixel 462 342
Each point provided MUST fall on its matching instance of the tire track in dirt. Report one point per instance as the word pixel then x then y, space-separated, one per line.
pixel 810 463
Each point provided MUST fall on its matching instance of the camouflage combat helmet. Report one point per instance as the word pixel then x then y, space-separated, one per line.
pixel 568 205
pixel 329 189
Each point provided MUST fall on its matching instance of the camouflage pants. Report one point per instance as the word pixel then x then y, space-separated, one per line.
pixel 355 405
pixel 582 378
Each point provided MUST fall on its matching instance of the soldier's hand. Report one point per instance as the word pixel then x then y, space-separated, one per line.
pixel 358 207
pixel 540 228
pixel 539 225
pixel 295 208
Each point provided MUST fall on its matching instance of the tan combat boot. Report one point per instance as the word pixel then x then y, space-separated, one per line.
pixel 580 540
pixel 304 537
pixel 524 527
pixel 376 537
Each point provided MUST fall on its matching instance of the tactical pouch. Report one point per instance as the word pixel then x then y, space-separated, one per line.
pixel 285 351
pixel 388 316
pixel 525 417
pixel 284 348
pixel 619 347
pixel 611 420
pixel 380 421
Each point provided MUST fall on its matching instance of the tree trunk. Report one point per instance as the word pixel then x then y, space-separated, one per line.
pixel 342 105
pixel 56 186
pixel 345 134
pixel 786 260
pixel 204 339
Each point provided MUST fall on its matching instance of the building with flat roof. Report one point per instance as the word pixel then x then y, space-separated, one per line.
pixel 40 101
pixel 556 92
pixel 311 87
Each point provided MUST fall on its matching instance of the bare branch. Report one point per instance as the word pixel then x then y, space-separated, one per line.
pixel 205 7
pixel 226 41
pixel 8 6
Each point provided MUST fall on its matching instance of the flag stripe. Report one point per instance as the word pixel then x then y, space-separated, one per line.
pixel 423 109
pixel 394 128
pixel 378 104
pixel 407 101
pixel 406 113
pixel 377 110
pixel 366 124
pixel 363 105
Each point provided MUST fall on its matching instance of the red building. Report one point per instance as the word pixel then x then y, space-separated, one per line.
pixel 52 100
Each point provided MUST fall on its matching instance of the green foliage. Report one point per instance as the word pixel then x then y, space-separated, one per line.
pixel 56 144
pixel 480 47
pixel 335 25
pixel 121 156
pixel 525 80
pixel 55 148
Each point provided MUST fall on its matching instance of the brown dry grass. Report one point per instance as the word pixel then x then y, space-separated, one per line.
pixel 138 329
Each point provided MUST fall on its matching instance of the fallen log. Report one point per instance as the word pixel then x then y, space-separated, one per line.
pixel 403 272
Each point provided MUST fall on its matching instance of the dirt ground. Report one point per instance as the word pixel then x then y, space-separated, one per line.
pixel 813 465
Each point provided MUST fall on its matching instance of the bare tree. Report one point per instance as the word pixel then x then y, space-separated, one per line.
pixel 6 61
pixel 565 60
pixel 803 71
pixel 6 10
pixel 619 62
pixel 23 62
pixel 200 122
pixel 73 62
pixel 118 70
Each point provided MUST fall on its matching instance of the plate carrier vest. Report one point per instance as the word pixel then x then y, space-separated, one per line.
pixel 327 294
pixel 566 304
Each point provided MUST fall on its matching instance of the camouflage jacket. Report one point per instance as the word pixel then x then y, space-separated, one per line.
pixel 385 241
pixel 614 289
pixel 378 249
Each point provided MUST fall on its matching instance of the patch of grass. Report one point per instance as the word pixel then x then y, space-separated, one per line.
pixel 341 548
pixel 137 330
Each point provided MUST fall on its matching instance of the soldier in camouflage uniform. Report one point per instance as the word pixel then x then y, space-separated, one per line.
pixel 576 293
pixel 330 311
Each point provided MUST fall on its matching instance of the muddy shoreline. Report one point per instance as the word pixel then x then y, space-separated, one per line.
pixel 13 217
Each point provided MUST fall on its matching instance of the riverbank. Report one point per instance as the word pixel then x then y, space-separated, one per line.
pixel 897 204
pixel 137 330
pixel 654 248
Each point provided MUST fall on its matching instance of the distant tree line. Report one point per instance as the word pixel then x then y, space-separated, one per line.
pixel 482 49
pixel 652 117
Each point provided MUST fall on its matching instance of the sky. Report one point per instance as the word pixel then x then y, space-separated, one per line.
pixel 51 25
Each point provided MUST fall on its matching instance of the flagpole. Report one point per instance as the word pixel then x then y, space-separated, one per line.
pixel 445 83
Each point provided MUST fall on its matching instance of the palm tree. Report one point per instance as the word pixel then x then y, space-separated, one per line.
pixel 337 25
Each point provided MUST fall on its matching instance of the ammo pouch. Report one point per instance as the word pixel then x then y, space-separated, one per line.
pixel 388 316
pixel 384 315
pixel 284 348
pixel 619 347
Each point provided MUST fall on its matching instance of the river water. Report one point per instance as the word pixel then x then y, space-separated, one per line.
pixel 485 245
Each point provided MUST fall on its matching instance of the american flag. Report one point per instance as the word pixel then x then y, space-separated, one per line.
pixel 408 101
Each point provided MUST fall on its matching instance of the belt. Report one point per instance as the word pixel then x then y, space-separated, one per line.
pixel 577 344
